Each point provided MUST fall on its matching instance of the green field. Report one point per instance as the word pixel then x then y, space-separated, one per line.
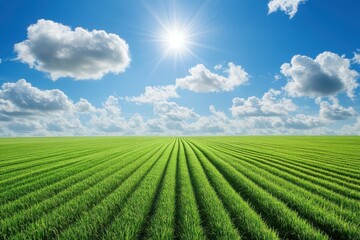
pixel 180 188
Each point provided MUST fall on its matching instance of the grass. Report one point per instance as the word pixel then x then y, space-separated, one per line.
pixel 180 188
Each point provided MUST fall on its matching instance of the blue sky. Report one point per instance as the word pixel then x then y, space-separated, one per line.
pixel 179 67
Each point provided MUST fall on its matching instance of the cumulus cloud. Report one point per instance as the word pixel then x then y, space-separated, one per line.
pixel 112 106
pixel 298 124
pixel 262 122
pixel 216 123
pixel 302 121
pixel 7 107
pixel 173 111
pixel 155 94
pixel 290 7
pixel 137 125
pixel 169 119
pixel 271 104
pixel 334 111
pixel 27 111
pixel 24 127
pixel 58 50
pixel 326 75
pixel 352 129
pixel 109 118
pixel 23 96
pixel 219 123
pixel 84 106
pixel 203 80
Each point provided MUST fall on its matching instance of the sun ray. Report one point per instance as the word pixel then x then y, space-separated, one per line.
pixel 178 35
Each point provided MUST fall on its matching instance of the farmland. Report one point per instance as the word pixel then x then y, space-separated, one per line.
pixel 180 188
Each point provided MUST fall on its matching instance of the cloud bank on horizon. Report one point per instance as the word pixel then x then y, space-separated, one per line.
pixel 314 94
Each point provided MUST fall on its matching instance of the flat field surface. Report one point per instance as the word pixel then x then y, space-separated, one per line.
pixel 180 188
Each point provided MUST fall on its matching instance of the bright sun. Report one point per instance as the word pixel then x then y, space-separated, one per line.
pixel 178 32
pixel 176 40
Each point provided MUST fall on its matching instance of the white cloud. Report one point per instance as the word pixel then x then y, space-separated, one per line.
pixel 257 125
pixel 356 58
pixel 301 121
pixel 326 75
pixel 290 7
pixel 169 119
pixel 352 129
pixel 28 111
pixel 203 80
pixel 84 106
pixel 109 117
pixel 216 123
pixel 7 106
pixel 173 111
pixel 155 94
pixel 218 67
pixel 112 106
pixel 137 125
pixel 335 111
pixel 24 127
pixel 262 122
pixel 277 77
pixel 25 97
pixel 80 54
pixel 271 104
pixel 297 124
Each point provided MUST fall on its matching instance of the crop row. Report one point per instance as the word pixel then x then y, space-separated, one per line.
pixel 180 188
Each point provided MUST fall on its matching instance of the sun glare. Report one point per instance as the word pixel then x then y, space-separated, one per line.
pixel 176 40
pixel 177 34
